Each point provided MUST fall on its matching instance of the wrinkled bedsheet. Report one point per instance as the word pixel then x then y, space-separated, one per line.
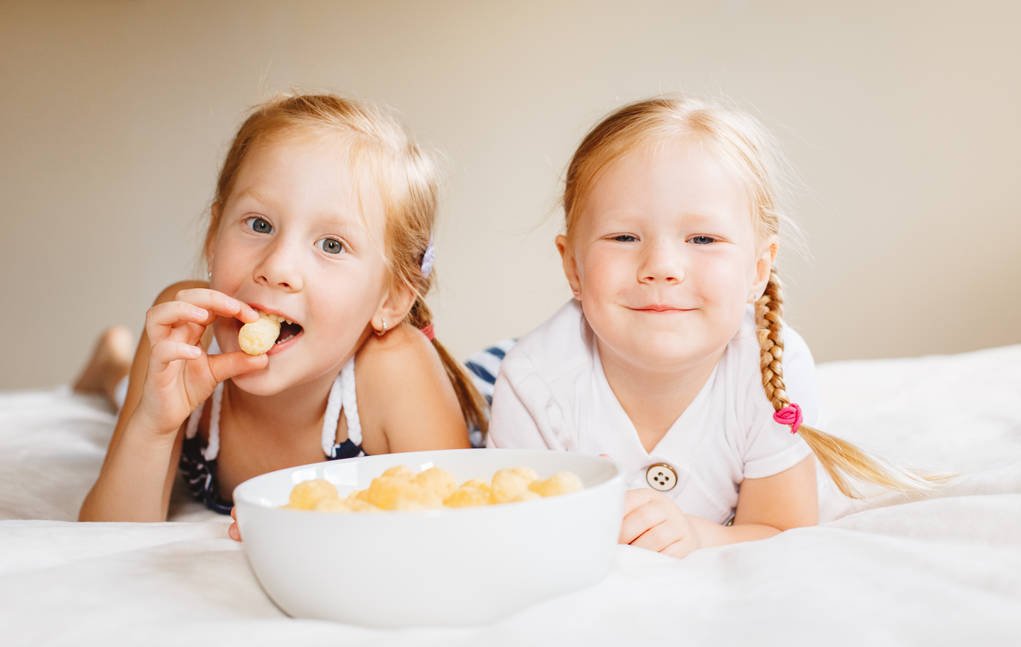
pixel 936 570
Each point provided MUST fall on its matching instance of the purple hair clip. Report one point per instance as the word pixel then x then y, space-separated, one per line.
pixel 428 258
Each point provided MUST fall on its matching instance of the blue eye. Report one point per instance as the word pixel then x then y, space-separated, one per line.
pixel 624 238
pixel 330 245
pixel 702 240
pixel 259 225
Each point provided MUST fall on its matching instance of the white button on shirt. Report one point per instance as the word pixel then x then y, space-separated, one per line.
pixel 661 477
pixel 552 392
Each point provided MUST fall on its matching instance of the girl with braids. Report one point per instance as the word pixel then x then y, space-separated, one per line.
pixel 323 217
pixel 672 358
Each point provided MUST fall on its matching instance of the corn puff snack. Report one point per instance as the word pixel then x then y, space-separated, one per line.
pixel 258 337
pixel 399 488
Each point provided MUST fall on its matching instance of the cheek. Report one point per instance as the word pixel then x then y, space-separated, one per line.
pixel 350 297
pixel 724 278
pixel 230 257
pixel 603 273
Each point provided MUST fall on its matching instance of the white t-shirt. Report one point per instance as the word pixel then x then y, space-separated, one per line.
pixel 552 393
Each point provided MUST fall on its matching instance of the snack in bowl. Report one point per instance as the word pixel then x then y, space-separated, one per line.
pixel 430 566
pixel 399 488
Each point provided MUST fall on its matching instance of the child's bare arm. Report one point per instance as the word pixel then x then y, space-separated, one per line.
pixel 767 506
pixel 785 500
pixel 135 480
pixel 126 478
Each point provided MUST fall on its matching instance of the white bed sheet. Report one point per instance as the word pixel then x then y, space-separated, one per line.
pixel 936 571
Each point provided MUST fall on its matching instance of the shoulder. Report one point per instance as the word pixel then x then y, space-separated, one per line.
pixel 404 350
pixel 555 351
pixel 169 293
pixel 743 370
pixel 536 392
pixel 404 392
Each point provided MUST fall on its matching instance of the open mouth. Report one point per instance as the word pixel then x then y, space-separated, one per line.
pixel 288 331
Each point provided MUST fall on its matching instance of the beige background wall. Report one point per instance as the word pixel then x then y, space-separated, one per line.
pixel 903 124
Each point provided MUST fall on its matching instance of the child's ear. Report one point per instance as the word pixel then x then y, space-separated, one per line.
pixel 570 265
pixel 763 267
pixel 394 308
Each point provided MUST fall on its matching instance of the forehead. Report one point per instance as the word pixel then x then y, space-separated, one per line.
pixel 310 173
pixel 678 175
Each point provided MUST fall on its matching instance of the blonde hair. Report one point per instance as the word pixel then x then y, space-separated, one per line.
pixel 405 177
pixel 747 148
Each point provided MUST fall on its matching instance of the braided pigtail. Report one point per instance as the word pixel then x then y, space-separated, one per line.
pixel 842 460
pixel 473 405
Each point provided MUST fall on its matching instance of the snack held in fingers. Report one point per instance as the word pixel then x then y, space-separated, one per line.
pixel 258 337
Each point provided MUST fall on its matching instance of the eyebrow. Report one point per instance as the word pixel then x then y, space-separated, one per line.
pixel 700 217
pixel 344 224
pixel 625 216
pixel 252 195
pixel 330 219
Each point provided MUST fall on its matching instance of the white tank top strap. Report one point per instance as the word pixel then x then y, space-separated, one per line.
pixel 212 449
pixel 332 416
pixel 350 402
pixel 193 421
pixel 213 446
pixel 342 398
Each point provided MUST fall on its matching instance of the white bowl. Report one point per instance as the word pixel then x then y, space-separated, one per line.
pixel 443 567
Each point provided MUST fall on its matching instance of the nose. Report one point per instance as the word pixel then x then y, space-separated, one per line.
pixel 661 262
pixel 279 267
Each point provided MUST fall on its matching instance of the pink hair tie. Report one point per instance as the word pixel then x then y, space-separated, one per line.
pixel 789 416
pixel 428 332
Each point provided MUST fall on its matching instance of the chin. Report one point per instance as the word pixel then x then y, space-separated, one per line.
pixel 666 354
pixel 261 383
pixel 664 362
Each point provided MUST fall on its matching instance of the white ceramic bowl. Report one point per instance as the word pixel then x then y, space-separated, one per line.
pixel 430 567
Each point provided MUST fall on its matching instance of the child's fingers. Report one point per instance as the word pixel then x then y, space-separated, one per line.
pixel 657 537
pixel 637 497
pixel 162 317
pixel 219 303
pixel 228 365
pixel 189 333
pixel 167 351
pixel 639 520
pixel 234 532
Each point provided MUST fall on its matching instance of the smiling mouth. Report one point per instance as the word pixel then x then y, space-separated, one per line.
pixel 661 308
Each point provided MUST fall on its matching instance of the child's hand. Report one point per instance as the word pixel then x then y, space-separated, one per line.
pixel 181 375
pixel 234 532
pixel 653 521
